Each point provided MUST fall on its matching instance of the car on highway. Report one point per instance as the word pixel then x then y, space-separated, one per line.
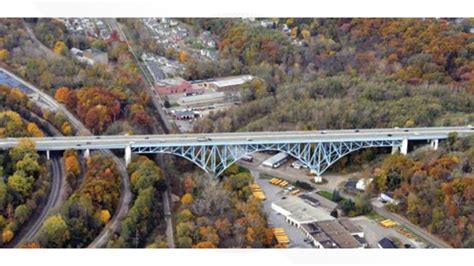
pixel 202 139
pixel 324 132
pixel 389 135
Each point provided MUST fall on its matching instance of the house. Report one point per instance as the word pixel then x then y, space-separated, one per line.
pixel 97 56
pixel 79 55
pixel 173 86
pixel 90 56
pixel 351 185
pixel 388 197
pixel 386 243
pixel 363 183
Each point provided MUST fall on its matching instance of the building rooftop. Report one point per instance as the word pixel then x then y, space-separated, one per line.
pixel 311 200
pixel 301 211
pixel 350 226
pixel 201 98
pixel 276 158
pixel 231 81
pixel 331 234
pixel 170 82
pixel 386 243
pixel 351 184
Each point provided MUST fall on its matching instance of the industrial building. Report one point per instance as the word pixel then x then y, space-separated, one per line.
pixel 331 234
pixel 298 212
pixel 276 160
pixel 173 86
pixel 231 83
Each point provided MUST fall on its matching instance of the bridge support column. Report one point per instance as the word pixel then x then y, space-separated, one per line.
pixel 48 157
pixel 128 155
pixel 317 177
pixel 395 149
pixel 404 147
pixel 87 153
pixel 434 144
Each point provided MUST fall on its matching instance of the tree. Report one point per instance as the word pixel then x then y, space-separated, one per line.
pixel 34 130
pixel 3 195
pixel 4 54
pixel 22 213
pixel 336 197
pixel 185 215
pixel 60 48
pixel 452 139
pixel 61 94
pixel 187 199
pixel 54 232
pixel 24 147
pixel 182 56
pixel 7 235
pixel 104 216
pixel 66 128
pixel 28 166
pixel 20 184
pixel 72 165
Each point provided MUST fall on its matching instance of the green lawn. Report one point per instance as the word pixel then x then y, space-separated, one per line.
pixel 325 194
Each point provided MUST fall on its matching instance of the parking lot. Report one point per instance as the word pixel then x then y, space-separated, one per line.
pixel 374 232
pixel 334 181
pixel 274 193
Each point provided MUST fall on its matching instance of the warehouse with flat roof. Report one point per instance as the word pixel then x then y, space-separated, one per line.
pixel 297 211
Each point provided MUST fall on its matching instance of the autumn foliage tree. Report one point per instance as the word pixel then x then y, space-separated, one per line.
pixel 433 191
pixel 62 94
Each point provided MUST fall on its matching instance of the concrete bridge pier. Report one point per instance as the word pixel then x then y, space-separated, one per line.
pixel 434 144
pixel 395 149
pixel 87 153
pixel 128 155
pixel 48 156
pixel 404 147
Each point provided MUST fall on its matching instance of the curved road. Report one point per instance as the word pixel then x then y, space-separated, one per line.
pixel 125 195
pixel 53 201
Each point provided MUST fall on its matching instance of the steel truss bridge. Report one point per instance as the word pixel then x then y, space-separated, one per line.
pixel 214 152
pixel 216 158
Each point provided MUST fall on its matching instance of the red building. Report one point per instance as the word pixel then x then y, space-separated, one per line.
pixel 173 86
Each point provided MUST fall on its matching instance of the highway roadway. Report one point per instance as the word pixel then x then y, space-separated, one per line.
pixel 126 194
pixel 121 142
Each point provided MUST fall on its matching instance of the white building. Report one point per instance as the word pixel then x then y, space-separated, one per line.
pixel 298 212
pixel 388 197
pixel 363 183
pixel 276 160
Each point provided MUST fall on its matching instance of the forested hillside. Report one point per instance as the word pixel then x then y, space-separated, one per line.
pixel 347 73
pixel 435 189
